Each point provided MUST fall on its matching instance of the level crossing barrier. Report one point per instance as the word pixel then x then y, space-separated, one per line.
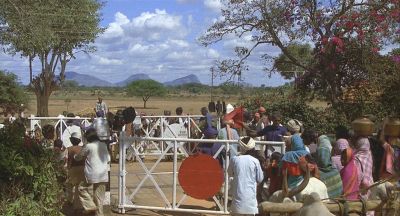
pixel 126 198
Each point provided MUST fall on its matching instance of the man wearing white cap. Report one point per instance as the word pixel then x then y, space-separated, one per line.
pixel 247 173
pixel 76 173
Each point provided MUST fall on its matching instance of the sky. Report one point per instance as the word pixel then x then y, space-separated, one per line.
pixel 158 38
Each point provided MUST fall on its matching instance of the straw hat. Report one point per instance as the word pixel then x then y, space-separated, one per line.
pixel 294 125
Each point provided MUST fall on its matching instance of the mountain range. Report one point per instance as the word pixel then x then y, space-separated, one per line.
pixel 91 81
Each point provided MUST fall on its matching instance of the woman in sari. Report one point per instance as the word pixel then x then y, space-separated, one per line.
pixel 386 169
pixel 328 174
pixel 342 136
pixel 349 175
pixel 290 160
pixel 363 159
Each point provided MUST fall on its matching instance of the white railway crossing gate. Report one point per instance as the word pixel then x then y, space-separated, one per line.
pixel 171 202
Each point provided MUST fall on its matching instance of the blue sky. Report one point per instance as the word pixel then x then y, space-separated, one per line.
pixel 156 37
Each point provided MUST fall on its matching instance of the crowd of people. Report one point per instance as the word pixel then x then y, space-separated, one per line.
pixel 345 163
pixel 348 163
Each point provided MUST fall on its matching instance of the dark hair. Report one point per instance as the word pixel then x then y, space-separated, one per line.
pixel 276 156
pixel 70 115
pixel 179 110
pixel 342 132
pixel 309 134
pixel 48 131
pixel 75 141
pixel 58 143
pixel 91 135
pixel 129 114
pixel 276 115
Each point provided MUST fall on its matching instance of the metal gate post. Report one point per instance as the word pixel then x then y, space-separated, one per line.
pixel 61 129
pixel 226 188
pixel 162 132
pixel 175 171
pixel 122 173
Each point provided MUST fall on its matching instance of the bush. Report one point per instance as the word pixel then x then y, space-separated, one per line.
pixel 29 178
pixel 325 120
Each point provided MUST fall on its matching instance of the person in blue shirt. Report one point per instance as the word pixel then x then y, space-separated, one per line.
pixel 274 132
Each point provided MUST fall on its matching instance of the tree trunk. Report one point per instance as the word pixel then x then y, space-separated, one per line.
pixel 42 105
pixel 144 103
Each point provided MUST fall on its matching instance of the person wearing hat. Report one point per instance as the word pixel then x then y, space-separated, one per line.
pixel 96 157
pixel 247 174
pixel 76 173
pixel 69 130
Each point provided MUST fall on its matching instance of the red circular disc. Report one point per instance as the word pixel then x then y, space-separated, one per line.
pixel 200 176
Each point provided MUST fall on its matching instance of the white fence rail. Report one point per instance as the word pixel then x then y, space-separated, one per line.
pixel 126 200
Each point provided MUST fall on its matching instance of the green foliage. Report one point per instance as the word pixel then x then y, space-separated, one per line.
pixel 11 94
pixel 324 120
pixel 342 33
pixel 29 176
pixel 285 66
pixel 146 89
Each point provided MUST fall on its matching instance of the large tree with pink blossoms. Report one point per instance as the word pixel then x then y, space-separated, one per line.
pixel 343 34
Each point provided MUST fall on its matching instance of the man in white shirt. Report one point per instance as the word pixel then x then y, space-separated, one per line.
pixel 96 156
pixel 247 174
pixel 101 108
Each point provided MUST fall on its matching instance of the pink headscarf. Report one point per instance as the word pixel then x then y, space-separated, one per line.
pixel 340 145
pixel 363 159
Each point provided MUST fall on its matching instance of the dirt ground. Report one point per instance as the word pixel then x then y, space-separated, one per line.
pixel 85 103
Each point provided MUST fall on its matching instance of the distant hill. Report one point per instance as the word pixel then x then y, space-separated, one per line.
pixel 132 78
pixel 183 80
pixel 91 81
pixel 86 80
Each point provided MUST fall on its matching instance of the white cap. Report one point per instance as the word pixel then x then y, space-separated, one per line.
pixel 76 135
pixel 229 108
pixel 246 146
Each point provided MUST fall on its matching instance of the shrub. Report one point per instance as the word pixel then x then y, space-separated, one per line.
pixel 29 177
pixel 324 120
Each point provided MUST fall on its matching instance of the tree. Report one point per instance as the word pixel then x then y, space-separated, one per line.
pixel 11 94
pixel 67 101
pixel 286 68
pixel 332 27
pixel 146 89
pixel 50 33
pixel 385 78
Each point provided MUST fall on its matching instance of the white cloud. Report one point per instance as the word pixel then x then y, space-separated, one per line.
pixel 214 5
pixel 179 55
pixel 158 43
pixel 212 53
pixel 106 61
pixel 114 29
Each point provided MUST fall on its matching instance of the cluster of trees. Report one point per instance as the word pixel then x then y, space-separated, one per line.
pixel 49 33
pixel 334 44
